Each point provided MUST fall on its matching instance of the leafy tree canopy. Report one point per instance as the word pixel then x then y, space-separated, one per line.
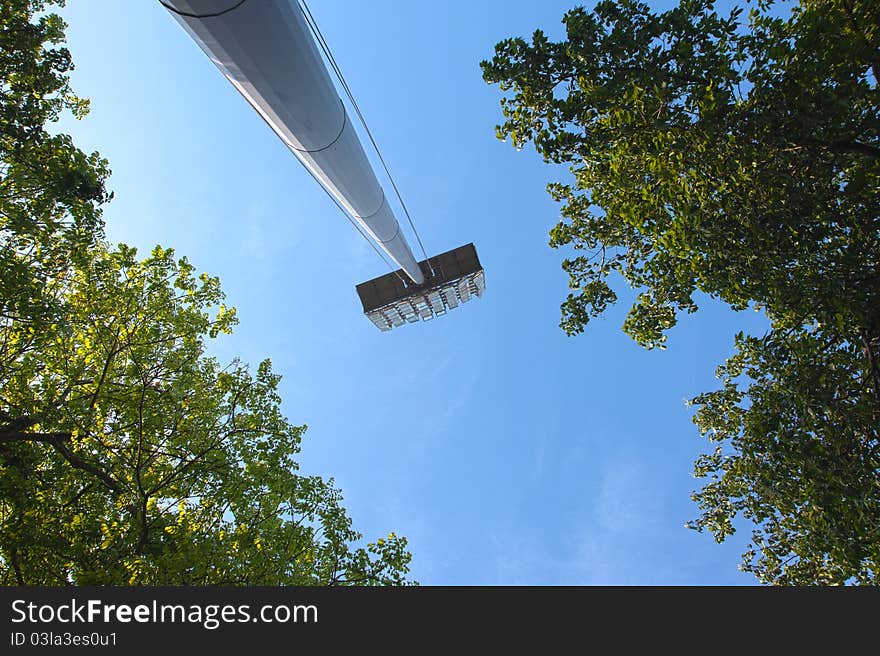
pixel 50 191
pixel 736 155
pixel 140 460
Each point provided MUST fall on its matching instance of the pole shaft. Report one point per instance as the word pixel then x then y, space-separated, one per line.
pixel 266 51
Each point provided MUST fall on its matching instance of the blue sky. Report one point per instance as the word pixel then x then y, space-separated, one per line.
pixel 505 451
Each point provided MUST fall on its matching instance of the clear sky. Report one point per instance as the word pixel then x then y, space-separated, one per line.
pixel 505 451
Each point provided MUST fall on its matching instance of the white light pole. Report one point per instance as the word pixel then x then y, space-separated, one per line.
pixel 266 50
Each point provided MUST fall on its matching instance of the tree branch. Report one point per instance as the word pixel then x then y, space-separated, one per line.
pixel 13 559
pixel 855 147
pixel 45 438
pixel 872 360
pixel 79 463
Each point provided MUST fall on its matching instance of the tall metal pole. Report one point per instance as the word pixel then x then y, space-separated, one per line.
pixel 266 50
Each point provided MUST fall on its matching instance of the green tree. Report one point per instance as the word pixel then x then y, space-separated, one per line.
pixel 738 156
pixel 50 191
pixel 160 466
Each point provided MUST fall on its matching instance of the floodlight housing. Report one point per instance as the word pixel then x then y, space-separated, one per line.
pixel 451 278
